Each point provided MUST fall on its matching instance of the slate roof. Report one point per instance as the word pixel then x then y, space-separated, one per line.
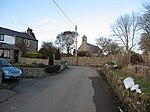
pixel 7 46
pixel 23 35
pixel 94 49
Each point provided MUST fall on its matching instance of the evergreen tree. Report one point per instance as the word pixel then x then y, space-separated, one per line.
pixel 57 55
pixel 51 61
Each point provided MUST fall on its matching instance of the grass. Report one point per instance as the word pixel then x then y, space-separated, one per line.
pixel 145 86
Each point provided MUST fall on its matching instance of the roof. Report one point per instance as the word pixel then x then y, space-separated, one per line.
pixel 8 46
pixel 23 35
pixel 94 49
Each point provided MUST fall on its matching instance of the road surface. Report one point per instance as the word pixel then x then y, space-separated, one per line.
pixel 75 89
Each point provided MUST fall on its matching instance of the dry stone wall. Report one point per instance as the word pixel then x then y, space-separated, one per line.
pixel 132 100
pixel 82 61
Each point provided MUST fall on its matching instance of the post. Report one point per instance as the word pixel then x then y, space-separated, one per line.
pixel 76 54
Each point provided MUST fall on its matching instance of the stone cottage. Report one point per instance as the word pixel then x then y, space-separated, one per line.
pixel 13 43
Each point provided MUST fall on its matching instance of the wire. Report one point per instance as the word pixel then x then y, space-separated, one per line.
pixel 63 12
pixel 54 30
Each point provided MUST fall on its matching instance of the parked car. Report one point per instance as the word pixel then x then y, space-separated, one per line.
pixel 9 71
pixel 0 75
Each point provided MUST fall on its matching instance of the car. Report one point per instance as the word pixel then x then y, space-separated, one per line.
pixel 9 71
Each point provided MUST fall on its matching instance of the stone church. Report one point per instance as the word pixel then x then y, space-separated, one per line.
pixel 89 48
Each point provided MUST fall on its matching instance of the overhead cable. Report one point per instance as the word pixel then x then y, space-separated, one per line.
pixel 63 12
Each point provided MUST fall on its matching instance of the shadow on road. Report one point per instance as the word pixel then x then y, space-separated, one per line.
pixel 10 84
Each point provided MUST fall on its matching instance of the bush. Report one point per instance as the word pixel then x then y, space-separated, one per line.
pixel 34 64
pixel 52 69
pixel 110 63
pixel 33 55
pixel 136 59
pixel 57 55
pixel 51 60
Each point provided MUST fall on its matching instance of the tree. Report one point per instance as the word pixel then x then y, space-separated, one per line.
pixel 57 55
pixel 144 24
pixel 107 45
pixel 136 58
pixel 46 48
pixel 145 42
pixel 51 60
pixel 66 40
pixel 125 29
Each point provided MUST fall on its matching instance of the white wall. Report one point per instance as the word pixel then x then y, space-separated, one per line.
pixel 8 39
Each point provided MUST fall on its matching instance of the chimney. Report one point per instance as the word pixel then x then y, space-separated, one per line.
pixel 29 31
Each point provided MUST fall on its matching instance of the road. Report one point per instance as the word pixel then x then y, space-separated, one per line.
pixel 75 89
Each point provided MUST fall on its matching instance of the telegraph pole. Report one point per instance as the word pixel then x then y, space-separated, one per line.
pixel 76 52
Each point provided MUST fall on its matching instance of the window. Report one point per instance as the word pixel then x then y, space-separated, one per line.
pixel 1 37
pixel 7 53
pixel 27 42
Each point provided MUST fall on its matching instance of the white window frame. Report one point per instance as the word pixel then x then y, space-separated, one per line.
pixel 27 42
pixel 1 37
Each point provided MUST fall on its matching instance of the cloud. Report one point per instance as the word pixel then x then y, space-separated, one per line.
pixel 54 21
pixel 46 20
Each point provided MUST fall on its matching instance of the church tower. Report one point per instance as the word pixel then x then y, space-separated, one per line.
pixel 84 39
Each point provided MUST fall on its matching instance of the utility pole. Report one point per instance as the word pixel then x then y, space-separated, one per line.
pixel 76 52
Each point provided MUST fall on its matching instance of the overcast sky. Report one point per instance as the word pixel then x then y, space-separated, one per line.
pixel 92 17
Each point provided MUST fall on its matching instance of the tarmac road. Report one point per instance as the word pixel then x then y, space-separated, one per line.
pixel 75 89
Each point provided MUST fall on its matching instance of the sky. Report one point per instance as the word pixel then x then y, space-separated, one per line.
pixel 92 17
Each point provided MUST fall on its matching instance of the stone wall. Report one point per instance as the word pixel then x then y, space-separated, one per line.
pixel 82 61
pixel 86 61
pixel 132 101
pixel 33 72
pixel 30 60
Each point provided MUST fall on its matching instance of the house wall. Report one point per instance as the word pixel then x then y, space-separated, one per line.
pixel 33 45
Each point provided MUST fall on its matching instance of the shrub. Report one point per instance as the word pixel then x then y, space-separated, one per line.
pixel 110 63
pixel 52 69
pixel 51 60
pixel 136 59
pixel 33 55
pixel 57 55
pixel 34 64
pixel 45 52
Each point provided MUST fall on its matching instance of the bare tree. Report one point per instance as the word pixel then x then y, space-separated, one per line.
pixel 66 40
pixel 107 45
pixel 125 29
pixel 144 24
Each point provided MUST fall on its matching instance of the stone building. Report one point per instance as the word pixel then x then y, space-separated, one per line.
pixel 92 50
pixel 14 43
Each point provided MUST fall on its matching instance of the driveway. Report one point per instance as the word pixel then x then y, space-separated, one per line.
pixel 75 89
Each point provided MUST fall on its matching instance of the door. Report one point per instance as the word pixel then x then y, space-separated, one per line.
pixel 16 52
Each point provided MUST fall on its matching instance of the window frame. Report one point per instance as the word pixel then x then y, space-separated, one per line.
pixel 1 37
